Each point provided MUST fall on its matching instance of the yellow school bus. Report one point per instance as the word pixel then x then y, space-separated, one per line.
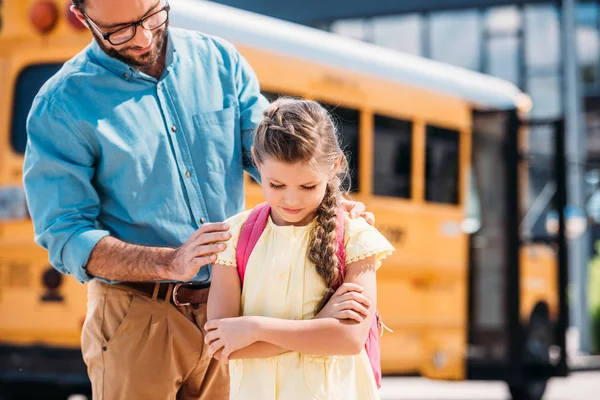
pixel 436 152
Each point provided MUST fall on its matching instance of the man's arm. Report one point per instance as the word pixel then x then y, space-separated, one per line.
pixel 57 172
pixel 252 105
pixel 116 260
pixel 60 163
pixel 119 261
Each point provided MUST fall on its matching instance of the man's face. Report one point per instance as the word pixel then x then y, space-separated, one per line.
pixel 144 49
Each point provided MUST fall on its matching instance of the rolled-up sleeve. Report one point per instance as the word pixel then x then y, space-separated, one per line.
pixel 252 105
pixel 57 174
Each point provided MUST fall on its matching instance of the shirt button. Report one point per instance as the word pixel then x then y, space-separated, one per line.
pixel 187 174
pixel 281 276
pixel 125 75
pixel 202 220
pixel 174 128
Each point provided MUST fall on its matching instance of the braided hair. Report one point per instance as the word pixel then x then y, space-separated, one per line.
pixel 302 130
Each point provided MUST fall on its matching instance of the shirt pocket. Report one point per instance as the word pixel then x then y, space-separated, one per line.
pixel 219 140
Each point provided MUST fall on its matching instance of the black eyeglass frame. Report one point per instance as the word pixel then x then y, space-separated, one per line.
pixel 106 36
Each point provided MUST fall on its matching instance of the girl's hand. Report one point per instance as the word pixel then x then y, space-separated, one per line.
pixel 230 334
pixel 356 208
pixel 347 302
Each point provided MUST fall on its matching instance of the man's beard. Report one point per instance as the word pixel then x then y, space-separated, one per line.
pixel 145 60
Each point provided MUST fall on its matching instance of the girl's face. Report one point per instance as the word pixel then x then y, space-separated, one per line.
pixel 294 191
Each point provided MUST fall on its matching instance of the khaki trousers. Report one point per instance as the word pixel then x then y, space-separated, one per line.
pixel 139 348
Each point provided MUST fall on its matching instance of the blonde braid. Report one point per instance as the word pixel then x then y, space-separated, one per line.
pixel 322 249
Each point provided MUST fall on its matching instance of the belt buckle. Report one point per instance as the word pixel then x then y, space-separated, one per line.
pixel 175 291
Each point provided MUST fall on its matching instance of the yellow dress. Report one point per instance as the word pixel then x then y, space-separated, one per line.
pixel 281 282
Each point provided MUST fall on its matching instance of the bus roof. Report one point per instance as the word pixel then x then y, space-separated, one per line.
pixel 270 34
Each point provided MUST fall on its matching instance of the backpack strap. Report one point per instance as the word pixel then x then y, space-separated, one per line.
pixel 249 235
pixel 254 227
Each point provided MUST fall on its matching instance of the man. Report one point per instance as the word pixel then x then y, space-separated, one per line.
pixel 134 146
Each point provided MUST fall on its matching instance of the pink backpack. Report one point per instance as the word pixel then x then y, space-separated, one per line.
pixel 251 232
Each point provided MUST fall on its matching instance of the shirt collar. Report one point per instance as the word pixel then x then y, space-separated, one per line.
pixel 125 71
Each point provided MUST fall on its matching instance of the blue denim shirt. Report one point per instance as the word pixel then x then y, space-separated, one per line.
pixel 113 151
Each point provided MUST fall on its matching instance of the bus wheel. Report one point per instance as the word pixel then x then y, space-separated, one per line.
pixel 538 336
pixel 537 346
pixel 529 390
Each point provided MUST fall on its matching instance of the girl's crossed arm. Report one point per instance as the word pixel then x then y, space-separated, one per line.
pixel 224 301
pixel 323 336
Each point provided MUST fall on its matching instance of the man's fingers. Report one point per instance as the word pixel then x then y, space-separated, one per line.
pixel 199 262
pixel 355 209
pixel 212 237
pixel 207 249
pixel 210 227
pixel 369 217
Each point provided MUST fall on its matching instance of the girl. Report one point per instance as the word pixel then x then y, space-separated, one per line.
pixel 282 347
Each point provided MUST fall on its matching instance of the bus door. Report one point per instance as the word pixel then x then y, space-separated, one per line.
pixel 517 276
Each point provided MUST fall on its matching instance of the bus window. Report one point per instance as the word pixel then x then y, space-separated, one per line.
pixel 472 221
pixel 271 96
pixel 441 165
pixel 393 157
pixel 348 125
pixel 28 84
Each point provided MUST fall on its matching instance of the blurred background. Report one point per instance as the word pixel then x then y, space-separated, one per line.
pixel 473 131
pixel 524 42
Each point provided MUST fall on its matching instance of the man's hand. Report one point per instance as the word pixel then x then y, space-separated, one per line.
pixel 356 208
pixel 199 250
pixel 347 302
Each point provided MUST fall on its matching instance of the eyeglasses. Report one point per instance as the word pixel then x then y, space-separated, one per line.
pixel 125 34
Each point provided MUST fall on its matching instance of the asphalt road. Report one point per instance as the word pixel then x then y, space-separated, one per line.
pixel 577 386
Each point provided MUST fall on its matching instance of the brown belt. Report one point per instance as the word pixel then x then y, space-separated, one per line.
pixel 180 294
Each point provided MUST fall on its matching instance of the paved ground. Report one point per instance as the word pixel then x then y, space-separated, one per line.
pixel 578 386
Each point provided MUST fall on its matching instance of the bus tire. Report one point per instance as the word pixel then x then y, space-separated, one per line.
pixel 539 336
pixel 537 346
pixel 528 390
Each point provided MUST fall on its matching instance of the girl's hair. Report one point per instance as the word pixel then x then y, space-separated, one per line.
pixel 302 130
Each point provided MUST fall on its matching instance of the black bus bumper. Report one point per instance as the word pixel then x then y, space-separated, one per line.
pixel 34 369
